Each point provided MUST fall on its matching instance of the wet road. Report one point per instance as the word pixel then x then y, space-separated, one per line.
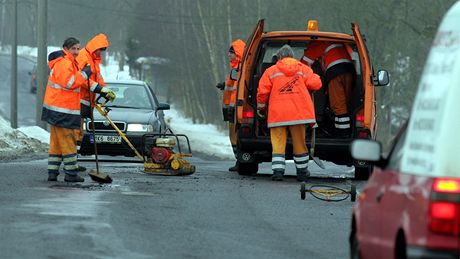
pixel 210 214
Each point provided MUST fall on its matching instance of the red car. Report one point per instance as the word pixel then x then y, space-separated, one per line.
pixel 400 215
pixel 410 207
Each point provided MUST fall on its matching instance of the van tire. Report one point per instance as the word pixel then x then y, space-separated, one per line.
pixel 363 173
pixel 248 168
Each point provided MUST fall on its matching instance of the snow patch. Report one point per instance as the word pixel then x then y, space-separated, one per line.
pixel 15 143
pixel 204 138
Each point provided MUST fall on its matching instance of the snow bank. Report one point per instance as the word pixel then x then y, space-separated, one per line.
pixel 15 143
pixel 204 138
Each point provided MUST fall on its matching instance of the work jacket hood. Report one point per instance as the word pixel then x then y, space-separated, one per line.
pixel 238 46
pixel 289 66
pixel 56 56
pixel 98 42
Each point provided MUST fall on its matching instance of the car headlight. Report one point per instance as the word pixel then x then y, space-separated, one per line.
pixel 139 128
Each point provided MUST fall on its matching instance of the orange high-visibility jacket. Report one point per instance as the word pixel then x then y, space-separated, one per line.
pixel 286 86
pixel 61 104
pixel 87 57
pixel 335 58
pixel 230 85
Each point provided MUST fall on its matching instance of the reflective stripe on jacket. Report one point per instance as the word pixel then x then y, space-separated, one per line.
pixel 286 86
pixel 61 104
pixel 87 57
pixel 335 58
pixel 231 85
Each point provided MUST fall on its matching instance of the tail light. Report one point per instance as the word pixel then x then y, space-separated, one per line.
pixel 363 134
pixel 359 118
pixel 446 185
pixel 248 114
pixel 444 214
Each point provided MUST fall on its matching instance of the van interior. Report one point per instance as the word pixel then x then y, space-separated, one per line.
pixel 266 57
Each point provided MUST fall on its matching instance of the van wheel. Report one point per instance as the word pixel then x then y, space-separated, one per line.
pixel 248 168
pixel 363 173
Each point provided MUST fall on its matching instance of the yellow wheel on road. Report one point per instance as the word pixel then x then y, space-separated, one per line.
pixel 176 164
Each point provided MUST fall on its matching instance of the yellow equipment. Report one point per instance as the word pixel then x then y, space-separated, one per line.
pixel 158 152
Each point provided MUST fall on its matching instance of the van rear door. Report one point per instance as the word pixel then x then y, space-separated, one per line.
pixel 366 72
pixel 245 69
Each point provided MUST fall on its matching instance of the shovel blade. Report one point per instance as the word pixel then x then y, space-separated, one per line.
pixel 319 162
pixel 100 177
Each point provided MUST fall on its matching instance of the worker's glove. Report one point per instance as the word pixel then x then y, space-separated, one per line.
pixel 220 86
pixel 261 114
pixel 87 71
pixel 109 94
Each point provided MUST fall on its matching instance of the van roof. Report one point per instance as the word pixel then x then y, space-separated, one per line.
pixel 321 34
pixel 433 138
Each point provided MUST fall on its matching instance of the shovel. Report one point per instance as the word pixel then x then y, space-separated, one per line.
pixel 96 175
pixel 313 140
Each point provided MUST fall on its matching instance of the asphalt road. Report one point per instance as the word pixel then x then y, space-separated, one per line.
pixel 210 214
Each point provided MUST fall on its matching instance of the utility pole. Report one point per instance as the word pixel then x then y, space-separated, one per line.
pixel 42 70
pixel 14 69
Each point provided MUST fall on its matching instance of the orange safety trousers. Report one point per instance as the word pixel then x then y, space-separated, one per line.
pixel 63 148
pixel 278 137
pixel 339 93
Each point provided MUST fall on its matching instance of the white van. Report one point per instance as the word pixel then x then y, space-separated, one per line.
pixel 410 207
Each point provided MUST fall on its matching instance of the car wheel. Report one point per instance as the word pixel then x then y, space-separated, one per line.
pixel 354 247
pixel 363 173
pixel 248 168
pixel 400 248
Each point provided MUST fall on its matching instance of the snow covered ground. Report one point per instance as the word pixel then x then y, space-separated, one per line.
pixel 204 138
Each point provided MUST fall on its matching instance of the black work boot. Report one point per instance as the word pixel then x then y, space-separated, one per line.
pixel 52 176
pixel 303 174
pixel 277 175
pixel 234 168
pixel 73 178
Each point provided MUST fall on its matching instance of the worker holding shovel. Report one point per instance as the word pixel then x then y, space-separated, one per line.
pixel 61 109
pixel 90 58
pixel 286 87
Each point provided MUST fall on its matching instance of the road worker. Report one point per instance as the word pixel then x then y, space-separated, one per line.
pixel 91 56
pixel 61 109
pixel 235 54
pixel 337 65
pixel 286 86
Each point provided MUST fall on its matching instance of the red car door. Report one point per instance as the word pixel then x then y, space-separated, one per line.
pixel 370 216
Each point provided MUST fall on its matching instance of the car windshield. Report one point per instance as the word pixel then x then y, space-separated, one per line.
pixel 130 96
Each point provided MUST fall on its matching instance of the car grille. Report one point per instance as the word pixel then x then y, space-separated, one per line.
pixel 104 126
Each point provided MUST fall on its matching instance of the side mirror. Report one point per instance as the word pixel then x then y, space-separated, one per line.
pixel 366 150
pixel 382 78
pixel 163 106
pixel 234 74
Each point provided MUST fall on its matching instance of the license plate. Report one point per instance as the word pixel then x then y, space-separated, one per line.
pixel 108 139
